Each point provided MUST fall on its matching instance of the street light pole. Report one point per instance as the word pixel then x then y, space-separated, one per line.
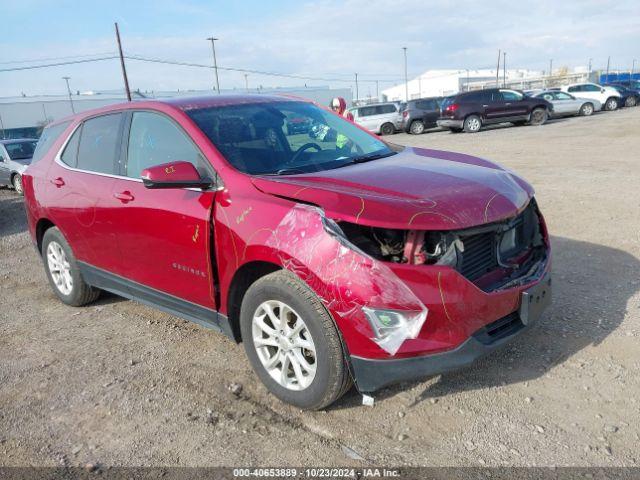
pixel 551 67
pixel 357 91
pixel 589 77
pixel 406 77
pixel 215 61
pixel 633 68
pixel 66 79
pixel 608 62
pixel 504 69
pixel 246 81
pixel 498 70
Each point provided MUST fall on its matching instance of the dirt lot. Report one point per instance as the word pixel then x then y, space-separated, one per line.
pixel 118 383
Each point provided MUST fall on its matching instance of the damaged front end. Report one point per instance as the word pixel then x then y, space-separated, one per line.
pixel 495 256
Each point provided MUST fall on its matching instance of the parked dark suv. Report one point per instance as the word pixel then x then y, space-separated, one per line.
pixel 469 111
pixel 420 114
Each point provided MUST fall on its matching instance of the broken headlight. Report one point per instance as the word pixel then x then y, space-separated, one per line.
pixel 392 327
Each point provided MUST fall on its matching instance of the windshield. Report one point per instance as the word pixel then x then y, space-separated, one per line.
pixel 20 150
pixel 288 137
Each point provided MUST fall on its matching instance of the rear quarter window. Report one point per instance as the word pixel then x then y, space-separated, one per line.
pixel 47 139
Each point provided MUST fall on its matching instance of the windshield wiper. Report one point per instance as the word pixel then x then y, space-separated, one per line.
pixel 289 171
pixel 368 158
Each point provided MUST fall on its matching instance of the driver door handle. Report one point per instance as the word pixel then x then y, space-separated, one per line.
pixel 124 197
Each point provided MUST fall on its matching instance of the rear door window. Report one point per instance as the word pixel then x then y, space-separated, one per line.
pixel 510 96
pixel 389 109
pixel 100 144
pixel 47 139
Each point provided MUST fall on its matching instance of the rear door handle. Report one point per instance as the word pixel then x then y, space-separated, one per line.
pixel 124 197
pixel 58 182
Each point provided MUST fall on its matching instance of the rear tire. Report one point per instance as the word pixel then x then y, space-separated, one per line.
pixel 417 127
pixel 63 271
pixel 539 116
pixel 286 296
pixel 17 184
pixel 472 124
pixel 611 104
pixel 586 110
pixel 387 129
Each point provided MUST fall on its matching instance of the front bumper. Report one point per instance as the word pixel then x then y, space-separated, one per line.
pixel 372 374
pixel 449 123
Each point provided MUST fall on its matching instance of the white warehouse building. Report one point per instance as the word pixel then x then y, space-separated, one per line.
pixel 438 83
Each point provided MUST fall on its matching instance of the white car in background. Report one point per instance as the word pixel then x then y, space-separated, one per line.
pixel 380 118
pixel 566 104
pixel 609 97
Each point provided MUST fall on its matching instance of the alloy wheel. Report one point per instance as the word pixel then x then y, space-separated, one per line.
pixel 417 127
pixel 284 345
pixel 17 184
pixel 587 109
pixel 59 268
pixel 474 124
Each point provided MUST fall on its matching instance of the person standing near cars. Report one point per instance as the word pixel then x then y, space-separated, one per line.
pixel 339 106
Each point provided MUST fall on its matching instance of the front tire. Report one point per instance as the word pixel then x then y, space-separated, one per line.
pixel 539 116
pixel 17 184
pixel 387 129
pixel 63 272
pixel 472 124
pixel 586 110
pixel 631 102
pixel 611 104
pixel 417 127
pixel 292 342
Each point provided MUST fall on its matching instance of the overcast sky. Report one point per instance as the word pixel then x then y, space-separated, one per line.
pixel 328 39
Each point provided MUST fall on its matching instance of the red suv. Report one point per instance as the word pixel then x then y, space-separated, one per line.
pixel 332 255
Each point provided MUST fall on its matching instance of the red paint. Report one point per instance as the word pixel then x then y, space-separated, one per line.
pixel 162 238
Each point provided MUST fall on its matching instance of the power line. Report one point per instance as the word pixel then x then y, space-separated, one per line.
pixel 48 59
pixel 243 70
pixel 46 65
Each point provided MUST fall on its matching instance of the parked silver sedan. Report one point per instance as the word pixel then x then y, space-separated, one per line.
pixel 15 157
pixel 565 104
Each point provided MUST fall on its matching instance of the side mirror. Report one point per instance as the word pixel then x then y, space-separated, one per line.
pixel 174 175
pixel 602 90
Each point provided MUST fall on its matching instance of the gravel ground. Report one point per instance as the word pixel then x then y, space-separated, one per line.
pixel 117 383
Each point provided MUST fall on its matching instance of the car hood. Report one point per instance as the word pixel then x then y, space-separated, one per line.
pixel 416 188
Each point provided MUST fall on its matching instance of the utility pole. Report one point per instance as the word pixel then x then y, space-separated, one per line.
pixel 633 69
pixel 504 69
pixel 551 67
pixel 467 79
pixel 246 81
pixel 66 79
pixel 215 61
pixel 608 62
pixel 589 77
pixel 406 77
pixel 378 93
pixel 420 86
pixel 357 91
pixel 124 69
pixel 498 69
